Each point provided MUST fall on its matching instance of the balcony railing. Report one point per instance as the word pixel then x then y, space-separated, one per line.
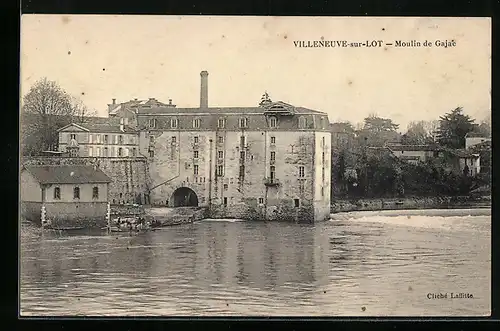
pixel 271 181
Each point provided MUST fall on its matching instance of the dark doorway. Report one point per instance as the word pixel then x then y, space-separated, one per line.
pixel 185 197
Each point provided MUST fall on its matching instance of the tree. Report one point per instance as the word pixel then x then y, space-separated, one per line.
pixel 45 108
pixel 420 133
pixel 378 131
pixel 453 127
pixel 484 128
pixel 80 111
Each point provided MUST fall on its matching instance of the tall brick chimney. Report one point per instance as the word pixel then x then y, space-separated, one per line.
pixel 204 89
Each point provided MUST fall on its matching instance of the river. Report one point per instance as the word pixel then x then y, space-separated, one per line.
pixel 357 264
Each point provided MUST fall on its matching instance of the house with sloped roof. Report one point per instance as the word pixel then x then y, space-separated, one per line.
pixel 94 138
pixel 415 153
pixel 70 194
pixel 473 138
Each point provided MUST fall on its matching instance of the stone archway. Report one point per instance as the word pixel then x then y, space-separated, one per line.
pixel 184 197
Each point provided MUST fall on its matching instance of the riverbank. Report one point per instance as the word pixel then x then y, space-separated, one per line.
pixel 340 205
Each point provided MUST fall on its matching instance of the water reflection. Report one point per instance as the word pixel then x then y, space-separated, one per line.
pixel 218 267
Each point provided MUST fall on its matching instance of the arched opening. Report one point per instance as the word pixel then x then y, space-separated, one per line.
pixel 185 197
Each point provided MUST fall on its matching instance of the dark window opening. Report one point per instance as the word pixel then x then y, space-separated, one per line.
pixel 225 187
pixel 57 193
pixel 225 201
pixel 297 202
pixel 95 192
pixel 242 171
pixel 76 193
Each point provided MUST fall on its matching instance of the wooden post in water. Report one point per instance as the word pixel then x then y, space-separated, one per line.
pixel 43 216
pixel 108 217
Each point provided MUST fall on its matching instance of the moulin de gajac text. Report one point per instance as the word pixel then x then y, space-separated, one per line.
pixel 373 43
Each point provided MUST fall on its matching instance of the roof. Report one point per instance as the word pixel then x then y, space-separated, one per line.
pixel 476 135
pixel 132 103
pixel 463 153
pixel 111 127
pixel 219 110
pixel 74 174
pixel 423 148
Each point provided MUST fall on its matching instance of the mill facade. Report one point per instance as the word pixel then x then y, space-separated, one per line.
pixel 268 162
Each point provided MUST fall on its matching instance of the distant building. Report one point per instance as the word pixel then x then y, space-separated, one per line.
pixel 271 161
pixel 130 108
pixel 415 153
pixel 463 161
pixel 472 139
pixel 69 193
pixel 114 139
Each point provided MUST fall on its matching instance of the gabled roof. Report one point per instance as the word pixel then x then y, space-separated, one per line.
pixel 75 174
pixel 420 148
pixel 221 110
pixel 462 153
pixel 101 127
pixel 476 135
pixel 133 103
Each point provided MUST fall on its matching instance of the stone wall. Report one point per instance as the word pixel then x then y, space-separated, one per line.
pixel 129 175
pixel 31 211
pixel 406 203
pixel 83 214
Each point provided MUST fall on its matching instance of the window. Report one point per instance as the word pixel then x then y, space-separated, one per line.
pixel 106 153
pixel 323 141
pixel 98 138
pixel 273 140
pixel 97 151
pixel 174 140
pixel 152 123
pixel 72 136
pixel 90 151
pixel 151 154
pixel 220 170
pixel 243 141
pixel 195 154
pixel 174 123
pixel 220 154
pixel 196 123
pixel 221 139
pixel 261 201
pixel 301 171
pixel 273 156
pixel 296 202
pixel 272 172
pixel 76 193
pixel 195 169
pixel 73 152
pixel 90 138
pixel 134 151
pixel 242 156
pixel 95 192
pixel 221 123
pixel 242 171
pixel 243 122
pixel 196 140
pixel 120 151
pixel 322 191
pixel 225 187
pixel 321 122
pixel 57 193
pixel 106 138
pixel 273 122
pixel 120 139
pixel 151 139
pixel 302 122
pixel 225 201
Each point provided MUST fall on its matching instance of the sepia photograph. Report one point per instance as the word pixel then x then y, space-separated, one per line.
pixel 254 166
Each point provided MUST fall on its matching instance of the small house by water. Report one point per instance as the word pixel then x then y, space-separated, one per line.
pixel 71 194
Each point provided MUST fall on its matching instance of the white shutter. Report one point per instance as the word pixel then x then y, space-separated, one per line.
pixel 90 151
pixel 90 138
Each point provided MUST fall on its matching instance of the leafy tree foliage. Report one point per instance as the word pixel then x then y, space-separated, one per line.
pixel 453 127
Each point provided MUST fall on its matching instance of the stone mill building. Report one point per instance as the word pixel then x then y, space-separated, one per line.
pixel 269 161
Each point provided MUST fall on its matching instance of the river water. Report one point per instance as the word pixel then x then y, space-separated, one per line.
pixel 357 264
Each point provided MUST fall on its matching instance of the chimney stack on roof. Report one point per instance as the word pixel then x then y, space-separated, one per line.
pixel 169 101
pixel 114 101
pixel 204 89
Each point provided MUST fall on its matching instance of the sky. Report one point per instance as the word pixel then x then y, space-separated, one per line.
pixel 98 58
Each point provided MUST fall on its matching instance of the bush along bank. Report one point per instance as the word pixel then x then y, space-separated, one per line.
pixel 409 203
